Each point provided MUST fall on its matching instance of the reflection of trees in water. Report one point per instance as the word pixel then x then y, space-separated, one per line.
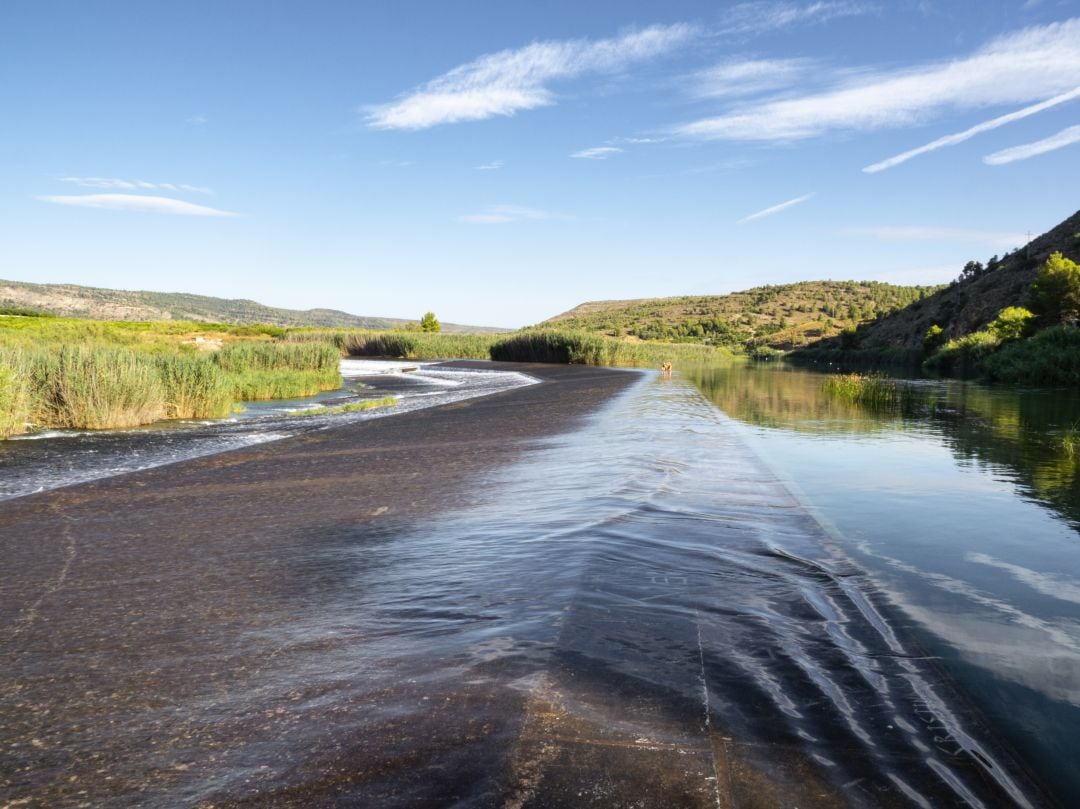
pixel 1017 429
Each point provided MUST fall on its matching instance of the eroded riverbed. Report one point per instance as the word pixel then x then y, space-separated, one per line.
pixel 506 602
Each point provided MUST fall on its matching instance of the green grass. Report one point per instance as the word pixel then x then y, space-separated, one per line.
pixel 352 407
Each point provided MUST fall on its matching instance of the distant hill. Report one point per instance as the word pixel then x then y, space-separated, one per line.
pixel 780 317
pixel 971 302
pixel 69 300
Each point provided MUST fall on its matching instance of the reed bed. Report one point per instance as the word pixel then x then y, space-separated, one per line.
pixel 94 387
pixel 109 385
pixel 16 403
pixel 583 348
pixel 195 387
pixel 872 390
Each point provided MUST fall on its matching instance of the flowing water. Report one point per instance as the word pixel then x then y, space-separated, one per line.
pixel 50 458
pixel 735 592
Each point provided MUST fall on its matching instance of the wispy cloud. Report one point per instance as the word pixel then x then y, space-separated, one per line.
pixel 988 238
pixel 1065 137
pixel 758 17
pixel 508 81
pixel 501 214
pixel 597 153
pixel 494 165
pixel 136 202
pixel 197 120
pixel 1030 65
pixel 783 206
pixel 113 183
pixel 748 77
pixel 967 134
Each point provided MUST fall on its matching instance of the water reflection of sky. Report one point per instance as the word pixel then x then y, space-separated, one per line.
pixel 964 508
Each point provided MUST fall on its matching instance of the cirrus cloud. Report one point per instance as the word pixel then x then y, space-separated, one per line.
pixel 1065 137
pixel 137 203
pixel 503 83
pixel 1031 65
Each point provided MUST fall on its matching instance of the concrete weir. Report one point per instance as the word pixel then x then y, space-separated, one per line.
pixel 587 592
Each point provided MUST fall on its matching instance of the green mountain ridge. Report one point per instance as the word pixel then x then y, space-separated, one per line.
pixel 71 300
pixel 970 303
pixel 780 317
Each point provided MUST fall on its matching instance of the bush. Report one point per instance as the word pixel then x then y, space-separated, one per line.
pixel 1051 357
pixel 1011 324
pixel 963 357
pixel 933 339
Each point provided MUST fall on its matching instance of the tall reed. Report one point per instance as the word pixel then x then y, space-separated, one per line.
pixel 195 387
pixel 96 387
pixel 873 390
pixel 16 401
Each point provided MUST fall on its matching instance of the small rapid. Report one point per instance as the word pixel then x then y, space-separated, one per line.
pixel 48 459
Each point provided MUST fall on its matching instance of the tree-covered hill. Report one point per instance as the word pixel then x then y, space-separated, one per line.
pixel 69 300
pixel 780 317
pixel 972 301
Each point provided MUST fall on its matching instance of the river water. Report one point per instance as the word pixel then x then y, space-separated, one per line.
pixel 964 509
pixel 725 590
pixel 48 459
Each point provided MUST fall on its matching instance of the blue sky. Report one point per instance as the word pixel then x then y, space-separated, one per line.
pixel 501 162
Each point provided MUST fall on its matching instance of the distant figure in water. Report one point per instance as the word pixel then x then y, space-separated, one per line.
pixel 665 369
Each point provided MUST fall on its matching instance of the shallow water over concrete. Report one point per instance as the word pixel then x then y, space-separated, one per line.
pixel 637 613
pixel 48 459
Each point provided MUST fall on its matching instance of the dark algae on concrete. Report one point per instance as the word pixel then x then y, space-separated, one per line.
pixel 549 597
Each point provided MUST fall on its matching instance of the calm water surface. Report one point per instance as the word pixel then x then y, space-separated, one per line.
pixel 965 509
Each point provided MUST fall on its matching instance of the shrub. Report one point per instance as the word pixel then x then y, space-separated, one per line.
pixel 933 339
pixel 1051 357
pixel 962 357
pixel 1011 323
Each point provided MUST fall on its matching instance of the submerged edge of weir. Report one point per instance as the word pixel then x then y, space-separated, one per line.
pixel 634 613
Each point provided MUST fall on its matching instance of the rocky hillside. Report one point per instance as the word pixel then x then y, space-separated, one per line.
pixel 69 300
pixel 781 317
pixel 971 302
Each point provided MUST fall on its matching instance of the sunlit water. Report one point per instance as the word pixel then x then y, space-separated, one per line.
pixel 964 508
pixel 690 598
pixel 47 459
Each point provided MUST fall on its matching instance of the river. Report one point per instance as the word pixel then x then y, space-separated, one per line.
pixel 722 589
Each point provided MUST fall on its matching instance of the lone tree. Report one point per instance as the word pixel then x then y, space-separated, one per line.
pixel 430 323
pixel 1055 295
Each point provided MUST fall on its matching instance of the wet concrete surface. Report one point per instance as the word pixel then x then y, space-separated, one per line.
pixel 580 593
